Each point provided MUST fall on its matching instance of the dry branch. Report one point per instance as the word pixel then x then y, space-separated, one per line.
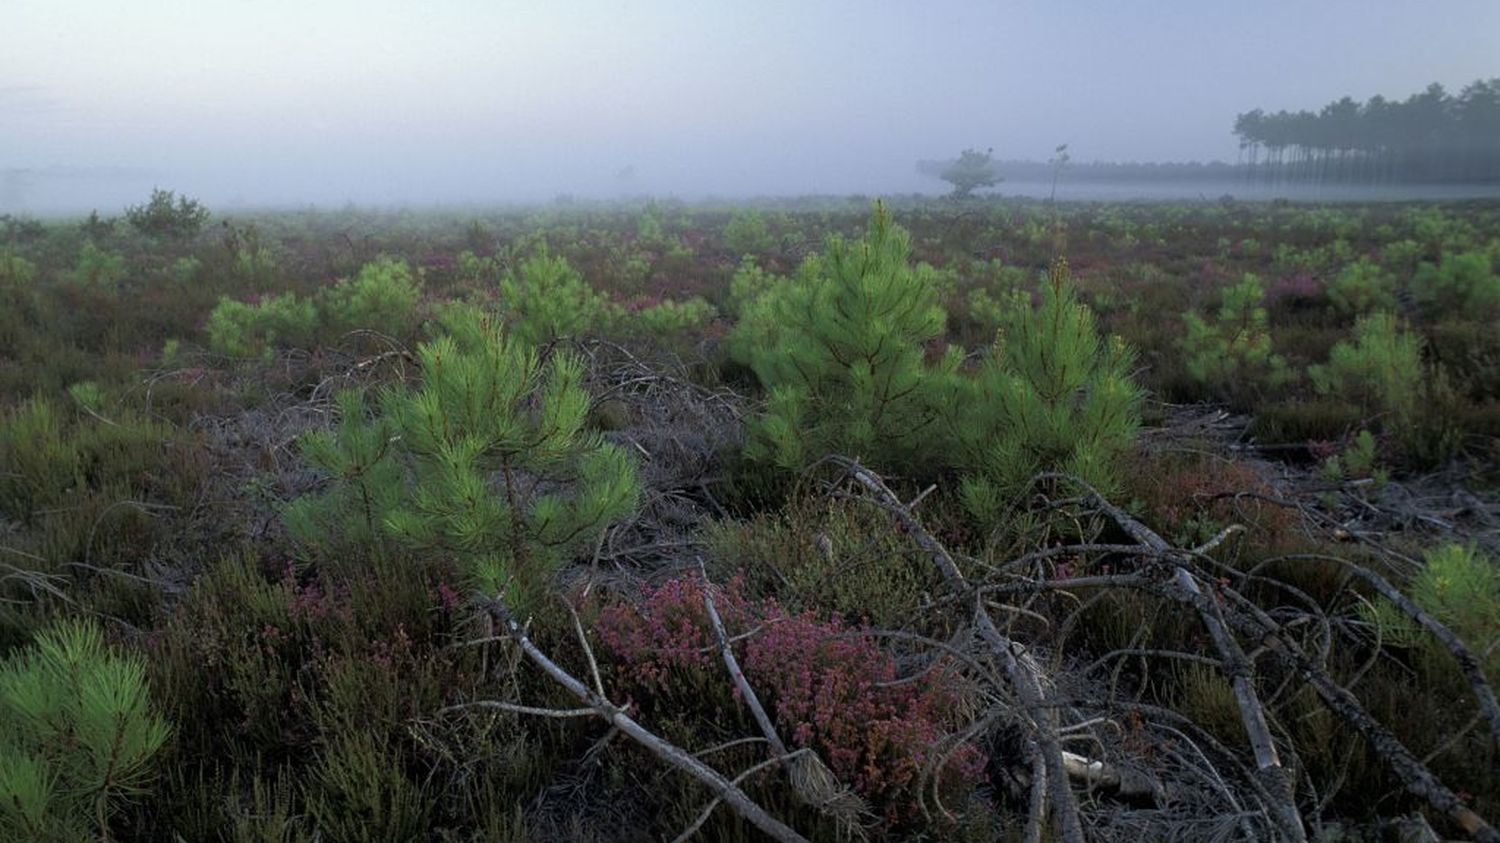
pixel 672 754
pixel 1268 634
pixel 1019 665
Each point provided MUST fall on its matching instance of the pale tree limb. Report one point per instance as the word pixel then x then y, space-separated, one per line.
pixel 1268 635
pixel 811 779
pixel 1468 663
pixel 1239 668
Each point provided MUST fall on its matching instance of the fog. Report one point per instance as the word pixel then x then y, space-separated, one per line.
pixel 465 101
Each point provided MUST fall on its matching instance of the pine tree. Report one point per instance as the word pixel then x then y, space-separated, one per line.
pixel 506 478
pixel 366 480
pixel 1053 396
pixel 77 736
pixel 547 298
pixel 841 353
pixel 1232 355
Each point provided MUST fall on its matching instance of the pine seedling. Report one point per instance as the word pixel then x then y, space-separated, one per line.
pixel 841 354
pixel 78 735
pixel 1381 370
pixel 1054 396
pixel 366 480
pixel 507 478
pixel 1235 348
pixel 546 298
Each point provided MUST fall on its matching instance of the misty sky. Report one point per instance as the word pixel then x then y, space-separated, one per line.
pixel 269 101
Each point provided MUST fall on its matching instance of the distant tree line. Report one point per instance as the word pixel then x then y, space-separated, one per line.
pixel 1430 136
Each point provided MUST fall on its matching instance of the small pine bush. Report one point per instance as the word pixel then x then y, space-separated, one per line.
pixel 382 297
pixel 97 268
pixel 1461 587
pixel 1363 287
pixel 669 318
pixel 167 215
pixel 1231 356
pixel 365 486
pixel 842 356
pixel 1462 284
pixel 494 408
pixel 747 233
pixel 546 298
pixel 1054 395
pixel 78 735
pixel 1380 371
pixel 245 329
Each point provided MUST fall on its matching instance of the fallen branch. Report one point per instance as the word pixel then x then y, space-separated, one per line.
pixel 723 788
pixel 1018 663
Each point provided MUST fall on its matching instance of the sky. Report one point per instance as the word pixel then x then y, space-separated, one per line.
pixel 386 102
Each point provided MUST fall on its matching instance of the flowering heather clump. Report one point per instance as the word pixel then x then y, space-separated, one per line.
pixel 828 685
pixel 667 639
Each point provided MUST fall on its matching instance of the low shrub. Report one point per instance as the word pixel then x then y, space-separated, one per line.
pixel 1380 371
pixel 78 736
pixel 842 356
pixel 1363 287
pixel 1054 396
pixel 1231 356
pixel 546 298
pixel 260 327
pixel 830 687
pixel 1462 284
pixel 382 297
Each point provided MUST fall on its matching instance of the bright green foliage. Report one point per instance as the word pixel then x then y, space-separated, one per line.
pixel 494 408
pixel 77 736
pixel 650 228
pixel 547 299
pixel 671 318
pixel 1381 370
pixel 97 268
pixel 747 233
pixel 382 297
pixel 1363 287
pixel 185 270
pixel 367 481
pixel 241 329
pixel 87 395
pixel 841 355
pixel 1234 350
pixel 15 271
pixel 255 262
pixel 471 267
pixel 1358 461
pixel 167 215
pixel 1461 587
pixel 1053 396
pixel 1463 284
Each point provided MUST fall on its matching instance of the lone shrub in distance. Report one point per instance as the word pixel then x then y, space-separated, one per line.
pixel 841 354
pixel 972 170
pixel 167 215
pixel 77 736
pixel 1053 396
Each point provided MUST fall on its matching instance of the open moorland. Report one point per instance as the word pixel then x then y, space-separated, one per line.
pixel 971 520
